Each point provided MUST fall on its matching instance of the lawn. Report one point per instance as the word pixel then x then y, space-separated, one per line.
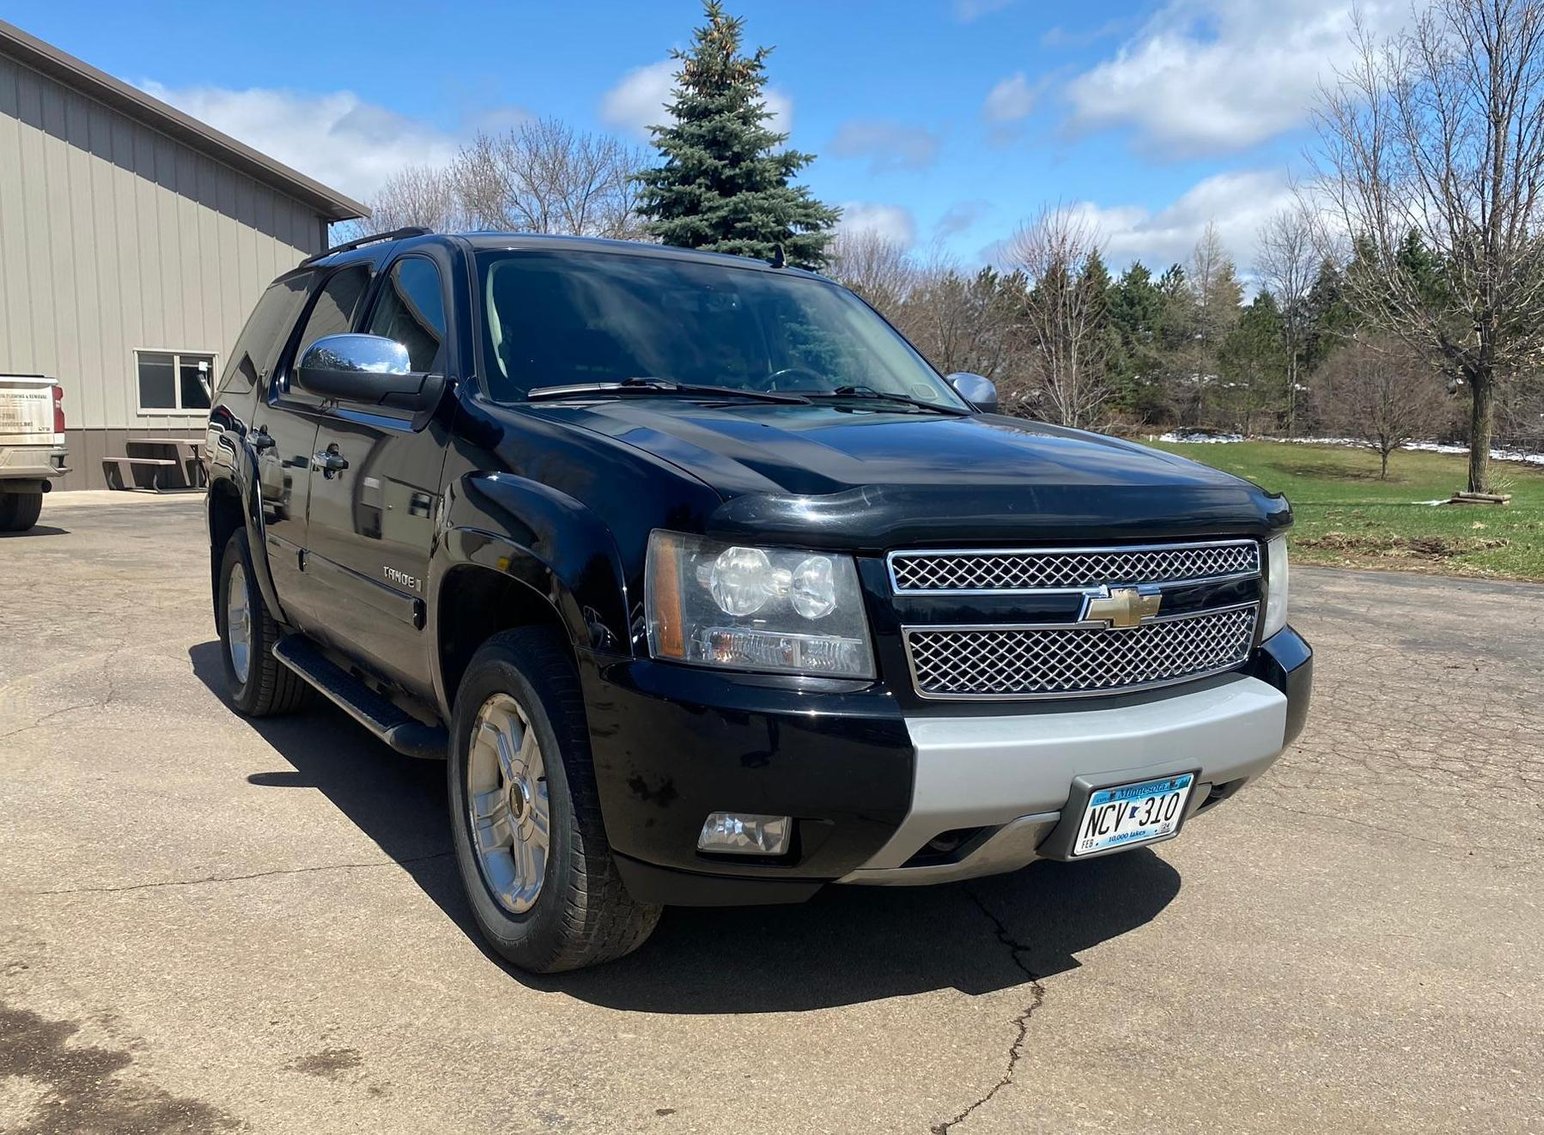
pixel 1347 517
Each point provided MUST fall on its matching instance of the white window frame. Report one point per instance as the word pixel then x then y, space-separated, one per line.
pixel 176 353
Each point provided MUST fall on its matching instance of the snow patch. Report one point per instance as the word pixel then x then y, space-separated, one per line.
pixel 1207 437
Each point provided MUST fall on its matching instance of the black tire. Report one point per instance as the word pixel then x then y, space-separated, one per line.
pixel 270 688
pixel 19 511
pixel 582 915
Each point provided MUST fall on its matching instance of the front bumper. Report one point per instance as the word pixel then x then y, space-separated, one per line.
pixel 882 797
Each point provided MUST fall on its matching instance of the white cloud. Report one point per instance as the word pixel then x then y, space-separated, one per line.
pixel 892 222
pixel 1211 76
pixel 959 217
pixel 887 145
pixel 638 101
pixel 338 138
pixel 1239 202
pixel 1010 100
pixel 639 98
pixel 968 10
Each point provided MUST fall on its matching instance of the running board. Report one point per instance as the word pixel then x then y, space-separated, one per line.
pixel 398 728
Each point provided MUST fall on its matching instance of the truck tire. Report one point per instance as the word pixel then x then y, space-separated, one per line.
pixel 261 686
pixel 525 814
pixel 19 511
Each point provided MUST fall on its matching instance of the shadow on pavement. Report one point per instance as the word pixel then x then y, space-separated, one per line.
pixel 847 945
pixel 35 530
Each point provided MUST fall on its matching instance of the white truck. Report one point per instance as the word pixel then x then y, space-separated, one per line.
pixel 31 446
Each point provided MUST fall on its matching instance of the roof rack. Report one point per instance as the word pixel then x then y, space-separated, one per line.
pixel 394 234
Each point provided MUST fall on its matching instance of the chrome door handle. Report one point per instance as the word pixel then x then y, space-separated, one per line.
pixel 329 461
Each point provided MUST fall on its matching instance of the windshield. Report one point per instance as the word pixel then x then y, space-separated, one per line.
pixel 560 319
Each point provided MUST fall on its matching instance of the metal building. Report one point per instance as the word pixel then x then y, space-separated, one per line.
pixel 134 241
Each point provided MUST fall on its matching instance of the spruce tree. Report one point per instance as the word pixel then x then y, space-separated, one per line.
pixel 724 182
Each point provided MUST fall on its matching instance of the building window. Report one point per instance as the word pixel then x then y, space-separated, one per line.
pixel 174 382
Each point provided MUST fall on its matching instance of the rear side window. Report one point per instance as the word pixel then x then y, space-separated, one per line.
pixel 336 304
pixel 258 346
pixel 411 310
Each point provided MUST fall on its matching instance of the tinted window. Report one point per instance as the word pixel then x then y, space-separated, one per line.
pixel 411 310
pixel 258 346
pixel 333 312
pixel 567 318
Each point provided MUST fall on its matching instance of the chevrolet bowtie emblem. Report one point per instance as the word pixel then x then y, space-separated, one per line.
pixel 1121 608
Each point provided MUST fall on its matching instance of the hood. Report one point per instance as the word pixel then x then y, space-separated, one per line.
pixel 828 474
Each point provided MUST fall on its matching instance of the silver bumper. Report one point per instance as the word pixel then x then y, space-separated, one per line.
pixel 31 462
pixel 1015 773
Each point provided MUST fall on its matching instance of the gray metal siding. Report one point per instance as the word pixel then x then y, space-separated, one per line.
pixel 116 238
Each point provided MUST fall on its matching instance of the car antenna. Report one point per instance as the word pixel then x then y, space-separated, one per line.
pixel 778 260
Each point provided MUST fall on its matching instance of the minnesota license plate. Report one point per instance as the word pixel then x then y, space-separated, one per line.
pixel 1129 814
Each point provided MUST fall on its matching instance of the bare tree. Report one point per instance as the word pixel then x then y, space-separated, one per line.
pixel 1062 314
pixel 1286 261
pixel 416 195
pixel 876 267
pixel 1383 394
pixel 968 323
pixel 1438 133
pixel 545 177
pixel 1214 284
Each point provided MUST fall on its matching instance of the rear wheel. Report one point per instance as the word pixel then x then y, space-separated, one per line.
pixel 525 814
pixel 261 686
pixel 19 511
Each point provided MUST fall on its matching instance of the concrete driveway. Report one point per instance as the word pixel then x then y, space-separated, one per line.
pixel 211 924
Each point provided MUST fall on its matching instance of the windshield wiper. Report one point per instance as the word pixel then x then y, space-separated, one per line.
pixel 887 396
pixel 650 385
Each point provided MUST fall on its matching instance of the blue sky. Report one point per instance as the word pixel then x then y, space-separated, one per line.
pixel 940 122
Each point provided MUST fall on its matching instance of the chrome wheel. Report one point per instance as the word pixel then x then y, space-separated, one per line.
pixel 238 623
pixel 508 811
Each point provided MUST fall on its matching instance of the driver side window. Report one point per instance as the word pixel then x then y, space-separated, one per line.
pixel 332 313
pixel 411 311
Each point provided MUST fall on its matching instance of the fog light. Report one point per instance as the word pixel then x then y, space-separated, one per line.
pixel 738 833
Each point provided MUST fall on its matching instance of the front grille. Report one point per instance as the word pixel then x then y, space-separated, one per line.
pixel 1069 568
pixel 1027 661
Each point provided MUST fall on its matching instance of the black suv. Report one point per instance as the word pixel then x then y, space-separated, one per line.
pixel 713 591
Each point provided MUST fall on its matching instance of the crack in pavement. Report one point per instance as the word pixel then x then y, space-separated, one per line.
pixel 238 878
pixel 100 702
pixel 1016 1049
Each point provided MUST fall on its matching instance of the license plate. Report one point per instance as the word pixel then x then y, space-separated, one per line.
pixel 1129 814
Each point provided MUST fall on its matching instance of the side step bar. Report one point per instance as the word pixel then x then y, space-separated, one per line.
pixel 399 729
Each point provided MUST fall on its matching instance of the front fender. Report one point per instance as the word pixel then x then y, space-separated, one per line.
pixel 544 539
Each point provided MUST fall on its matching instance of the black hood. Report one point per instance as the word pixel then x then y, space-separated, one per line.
pixel 828 474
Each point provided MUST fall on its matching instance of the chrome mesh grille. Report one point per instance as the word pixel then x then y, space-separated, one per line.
pixel 1070 568
pixel 1039 662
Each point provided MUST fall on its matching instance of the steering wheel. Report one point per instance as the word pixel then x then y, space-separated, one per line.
pixel 777 380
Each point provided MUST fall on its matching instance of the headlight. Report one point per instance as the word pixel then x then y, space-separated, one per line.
pixel 1275 586
pixel 751 608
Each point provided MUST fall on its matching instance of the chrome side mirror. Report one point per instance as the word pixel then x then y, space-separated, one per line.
pixel 364 368
pixel 978 391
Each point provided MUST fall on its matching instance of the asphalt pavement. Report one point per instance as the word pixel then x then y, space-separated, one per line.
pixel 213 924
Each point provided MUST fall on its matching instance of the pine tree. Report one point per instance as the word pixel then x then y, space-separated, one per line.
pixel 724 182
pixel 1251 388
pixel 1136 315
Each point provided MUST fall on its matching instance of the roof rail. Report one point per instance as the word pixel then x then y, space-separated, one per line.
pixel 394 234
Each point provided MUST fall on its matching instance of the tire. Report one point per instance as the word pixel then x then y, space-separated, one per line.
pixel 521 688
pixel 19 511
pixel 267 688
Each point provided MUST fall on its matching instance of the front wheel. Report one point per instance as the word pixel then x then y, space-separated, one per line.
pixel 260 685
pixel 525 814
pixel 19 511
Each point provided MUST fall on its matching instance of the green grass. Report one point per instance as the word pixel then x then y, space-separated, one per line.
pixel 1346 516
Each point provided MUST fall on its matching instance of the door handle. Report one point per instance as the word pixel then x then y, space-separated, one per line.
pixel 260 441
pixel 329 461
